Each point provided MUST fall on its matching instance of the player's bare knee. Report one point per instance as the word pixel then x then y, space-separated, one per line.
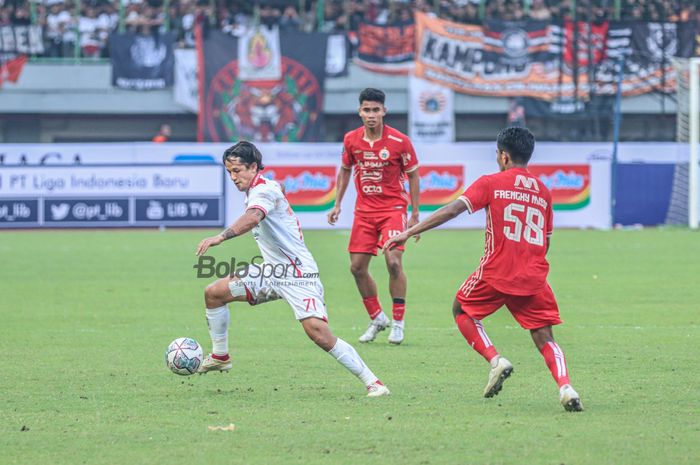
pixel 318 336
pixel 394 268
pixel 210 293
pixel 358 270
pixel 213 296
pixel 541 336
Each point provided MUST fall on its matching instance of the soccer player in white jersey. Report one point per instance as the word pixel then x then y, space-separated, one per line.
pixel 288 272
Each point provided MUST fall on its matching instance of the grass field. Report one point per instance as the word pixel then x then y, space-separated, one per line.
pixel 86 317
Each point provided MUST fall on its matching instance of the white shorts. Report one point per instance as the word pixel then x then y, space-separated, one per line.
pixel 305 296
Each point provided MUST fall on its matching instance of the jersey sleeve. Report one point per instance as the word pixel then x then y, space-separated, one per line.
pixel 477 195
pixel 262 197
pixel 409 160
pixel 347 160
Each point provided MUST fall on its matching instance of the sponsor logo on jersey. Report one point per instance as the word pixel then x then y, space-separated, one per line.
pixel 526 182
pixel 570 185
pixel 369 155
pixel 371 176
pixel 384 154
pixel 372 189
pixel 373 164
pixel 307 188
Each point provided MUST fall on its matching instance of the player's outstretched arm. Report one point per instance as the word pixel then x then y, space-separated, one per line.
pixel 443 215
pixel 242 225
pixel 341 185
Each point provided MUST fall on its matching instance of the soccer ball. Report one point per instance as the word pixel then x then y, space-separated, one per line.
pixel 184 355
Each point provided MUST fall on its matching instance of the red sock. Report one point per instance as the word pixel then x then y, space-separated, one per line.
pixel 473 331
pixel 398 310
pixel 374 308
pixel 223 358
pixel 556 362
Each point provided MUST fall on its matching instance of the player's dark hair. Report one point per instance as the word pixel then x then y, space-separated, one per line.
pixel 518 142
pixel 371 94
pixel 247 152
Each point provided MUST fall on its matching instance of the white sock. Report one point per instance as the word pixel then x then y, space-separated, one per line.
pixel 494 361
pixel 397 323
pixel 217 319
pixel 350 359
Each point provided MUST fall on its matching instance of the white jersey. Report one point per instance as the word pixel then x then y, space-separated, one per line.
pixel 279 235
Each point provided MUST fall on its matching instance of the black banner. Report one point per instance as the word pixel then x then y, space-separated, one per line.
pixel 648 49
pixel 142 62
pixel 22 40
pixel 16 42
pixel 288 110
pixel 596 107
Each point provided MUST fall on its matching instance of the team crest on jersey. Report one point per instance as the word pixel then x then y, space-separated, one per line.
pixel 384 154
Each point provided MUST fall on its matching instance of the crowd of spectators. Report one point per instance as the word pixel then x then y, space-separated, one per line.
pixel 83 28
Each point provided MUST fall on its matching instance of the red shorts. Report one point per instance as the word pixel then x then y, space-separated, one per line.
pixel 369 232
pixel 479 299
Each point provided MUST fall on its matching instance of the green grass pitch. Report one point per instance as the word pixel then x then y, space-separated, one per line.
pixel 86 317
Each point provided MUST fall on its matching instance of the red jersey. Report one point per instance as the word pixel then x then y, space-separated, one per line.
pixel 380 169
pixel 518 223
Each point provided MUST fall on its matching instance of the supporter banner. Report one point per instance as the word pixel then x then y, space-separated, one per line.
pixel 386 48
pixel 600 106
pixel 648 48
pixel 431 112
pixel 259 56
pixel 498 59
pixel 16 42
pixel 586 41
pixel 11 68
pixel 289 109
pixel 142 62
pixel 185 88
pixel 545 61
pixel 22 40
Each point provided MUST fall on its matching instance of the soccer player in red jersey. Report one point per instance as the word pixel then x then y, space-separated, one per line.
pixel 513 270
pixel 382 158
